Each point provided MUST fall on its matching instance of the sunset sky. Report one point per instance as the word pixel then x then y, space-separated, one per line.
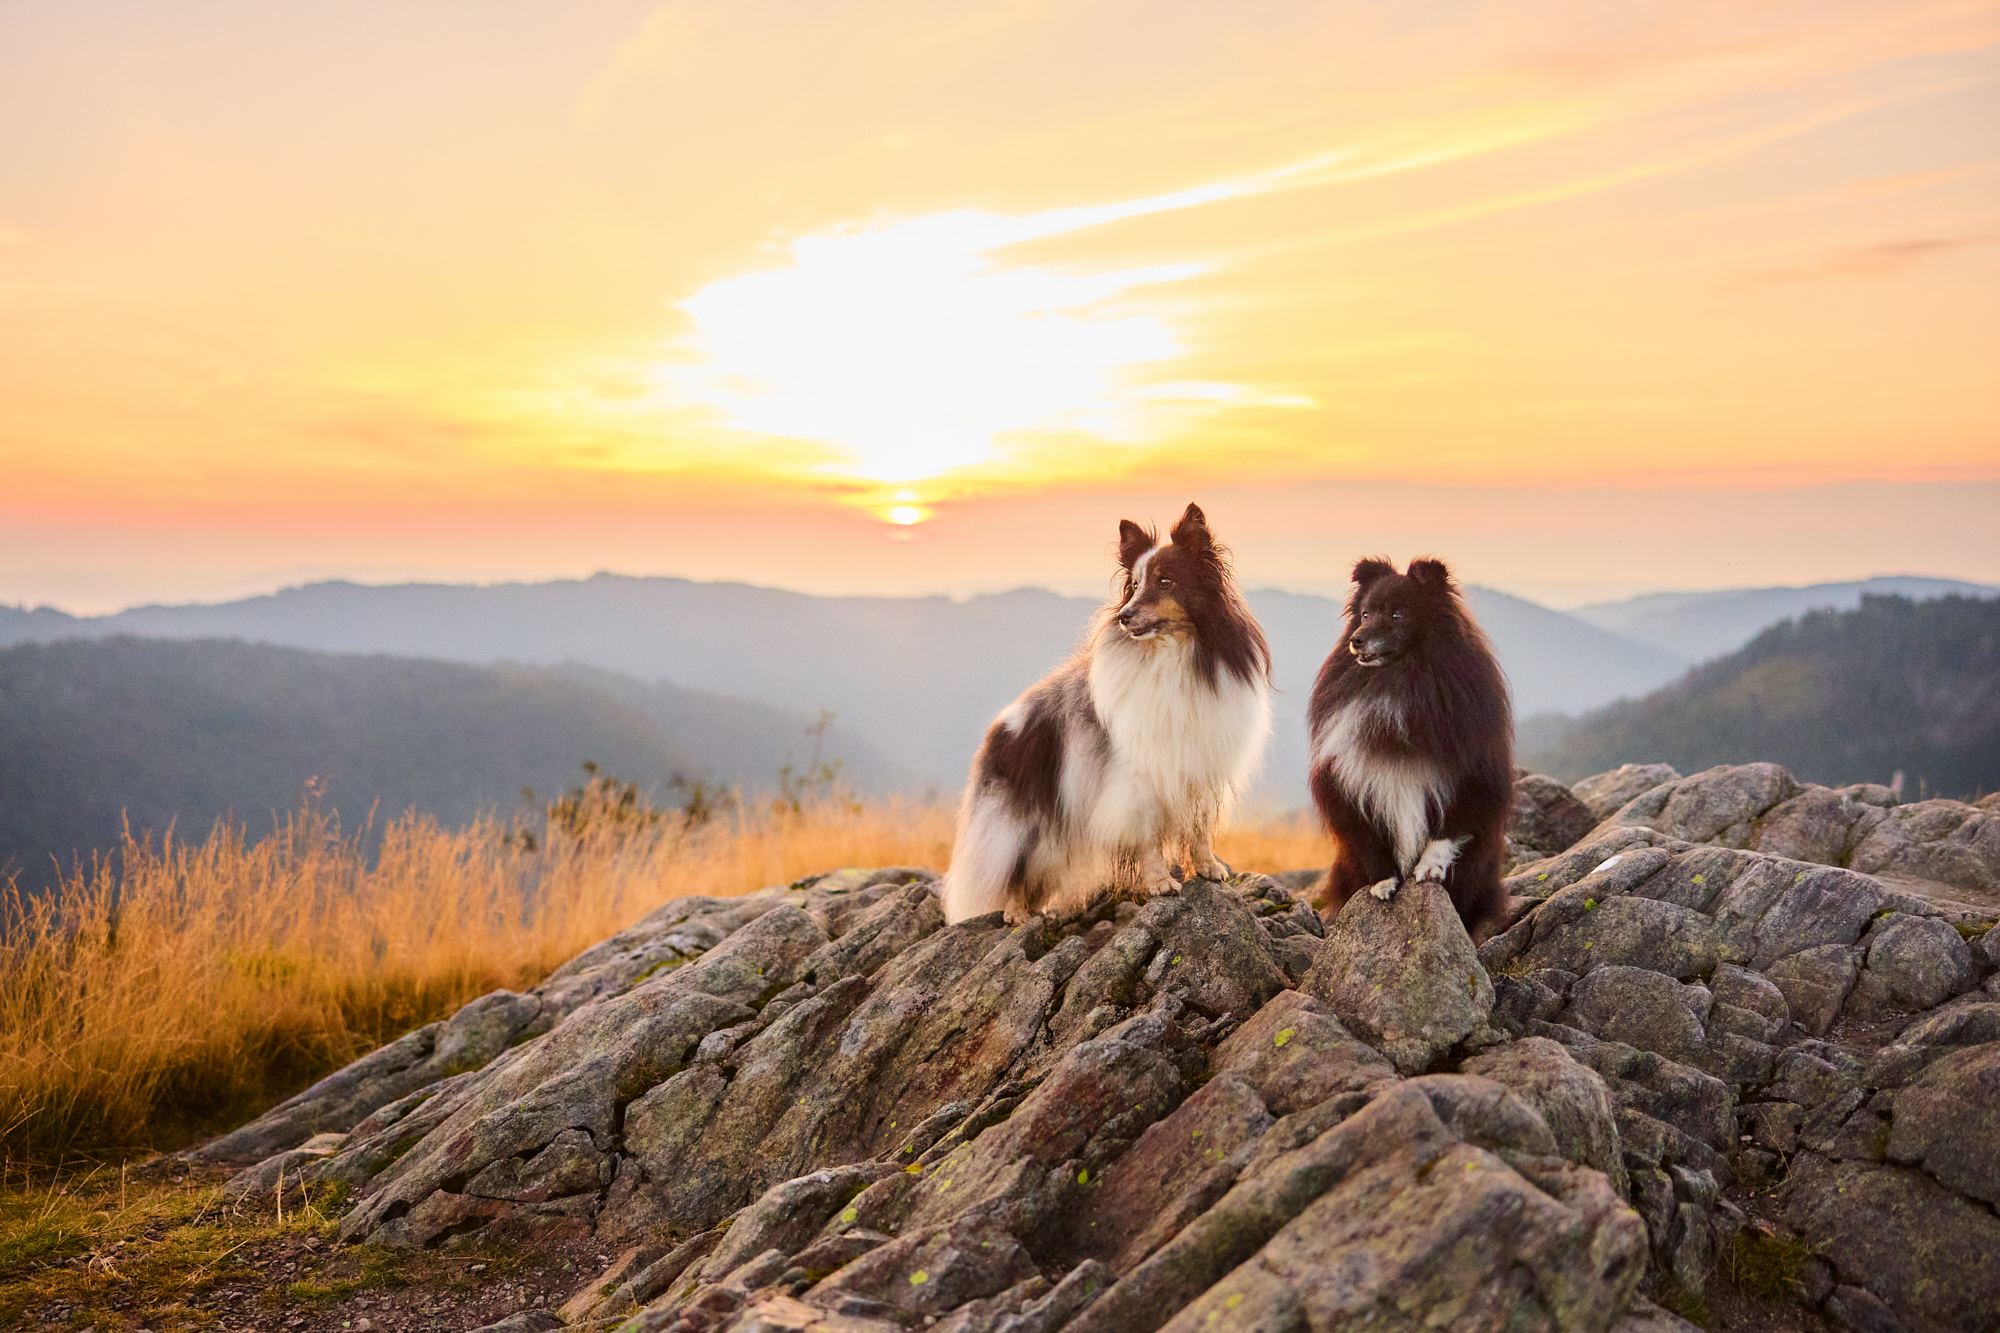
pixel 912 297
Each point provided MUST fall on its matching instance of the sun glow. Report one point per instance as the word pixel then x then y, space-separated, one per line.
pixel 914 349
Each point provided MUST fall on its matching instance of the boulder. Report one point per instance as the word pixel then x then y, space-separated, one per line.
pixel 1721 805
pixel 1402 975
pixel 1920 961
pixel 1295 1055
pixel 1815 984
pixel 1924 1250
pixel 1546 817
pixel 1570 1098
pixel 1642 1008
pixel 1948 1122
pixel 1948 842
pixel 1603 793
pixel 1390 1210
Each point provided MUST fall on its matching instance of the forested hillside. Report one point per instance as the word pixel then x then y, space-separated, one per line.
pixel 182 733
pixel 1835 696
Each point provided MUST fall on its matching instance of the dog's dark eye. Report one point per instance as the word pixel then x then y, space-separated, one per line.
pixel 1166 582
pixel 1395 615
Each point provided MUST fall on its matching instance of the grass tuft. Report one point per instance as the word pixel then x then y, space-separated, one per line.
pixel 171 988
pixel 1766 1264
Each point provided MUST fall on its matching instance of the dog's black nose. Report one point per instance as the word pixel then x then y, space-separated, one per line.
pixel 1125 616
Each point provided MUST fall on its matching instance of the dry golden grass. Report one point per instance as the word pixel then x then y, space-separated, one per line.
pixel 175 987
pixel 1293 842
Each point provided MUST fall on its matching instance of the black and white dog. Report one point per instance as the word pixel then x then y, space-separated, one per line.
pixel 1412 744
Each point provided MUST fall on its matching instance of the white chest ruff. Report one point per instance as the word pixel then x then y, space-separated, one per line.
pixel 1178 745
pixel 1399 793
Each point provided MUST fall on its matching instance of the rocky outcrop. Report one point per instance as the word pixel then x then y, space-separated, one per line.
pixel 818 1107
pixel 1864 827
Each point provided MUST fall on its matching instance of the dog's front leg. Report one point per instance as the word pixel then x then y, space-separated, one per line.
pixel 1155 878
pixel 1437 858
pixel 1204 862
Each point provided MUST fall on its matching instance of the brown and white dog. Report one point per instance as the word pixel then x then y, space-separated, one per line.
pixel 1128 752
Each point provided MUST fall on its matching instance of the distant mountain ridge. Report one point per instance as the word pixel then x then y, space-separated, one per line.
pixel 181 733
pixel 918 676
pixel 1697 626
pixel 1837 697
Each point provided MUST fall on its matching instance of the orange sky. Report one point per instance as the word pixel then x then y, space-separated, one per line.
pixel 1593 299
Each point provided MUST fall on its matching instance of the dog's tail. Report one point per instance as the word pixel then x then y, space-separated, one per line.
pixel 988 857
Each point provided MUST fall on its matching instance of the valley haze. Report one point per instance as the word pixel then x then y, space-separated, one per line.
pixel 920 677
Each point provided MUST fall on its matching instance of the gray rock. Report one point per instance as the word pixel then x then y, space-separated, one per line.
pixel 932 1269
pixel 1921 960
pixel 1773 1124
pixel 1588 925
pixel 1870 793
pixel 788 1216
pixel 280 1170
pixel 1402 975
pixel 1921 1248
pixel 340 1101
pixel 1956 1025
pixel 1690 1102
pixel 580 1075
pixel 1948 1122
pixel 1815 825
pixel 1393 1190
pixel 1642 1316
pixel 1640 1008
pixel 1944 841
pixel 528 1321
pixel 1604 793
pixel 1295 1054
pixel 1862 1310
pixel 1823 906
pixel 567 1164
pixel 1210 950
pixel 1546 817
pixel 1719 805
pixel 1571 1099
pixel 1747 991
pixel 1815 1073
pixel 1149 1194
pixel 1815 984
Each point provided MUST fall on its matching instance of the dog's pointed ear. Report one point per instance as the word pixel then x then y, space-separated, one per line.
pixel 1133 542
pixel 1431 573
pixel 1374 567
pixel 1192 530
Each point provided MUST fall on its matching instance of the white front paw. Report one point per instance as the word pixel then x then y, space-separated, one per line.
pixel 1212 869
pixel 1436 861
pixel 1385 890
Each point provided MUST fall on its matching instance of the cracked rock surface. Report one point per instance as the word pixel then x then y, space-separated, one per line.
pixel 819 1108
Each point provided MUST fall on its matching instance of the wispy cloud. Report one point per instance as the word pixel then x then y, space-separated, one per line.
pixel 1878 260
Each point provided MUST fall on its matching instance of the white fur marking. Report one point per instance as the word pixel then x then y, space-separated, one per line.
pixel 1436 862
pixel 1384 890
pixel 1398 792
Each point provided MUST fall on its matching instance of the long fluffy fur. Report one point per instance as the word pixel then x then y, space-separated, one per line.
pixel 1129 752
pixel 1412 759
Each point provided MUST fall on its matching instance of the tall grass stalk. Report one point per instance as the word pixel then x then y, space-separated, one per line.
pixel 175 987
pixel 172 986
